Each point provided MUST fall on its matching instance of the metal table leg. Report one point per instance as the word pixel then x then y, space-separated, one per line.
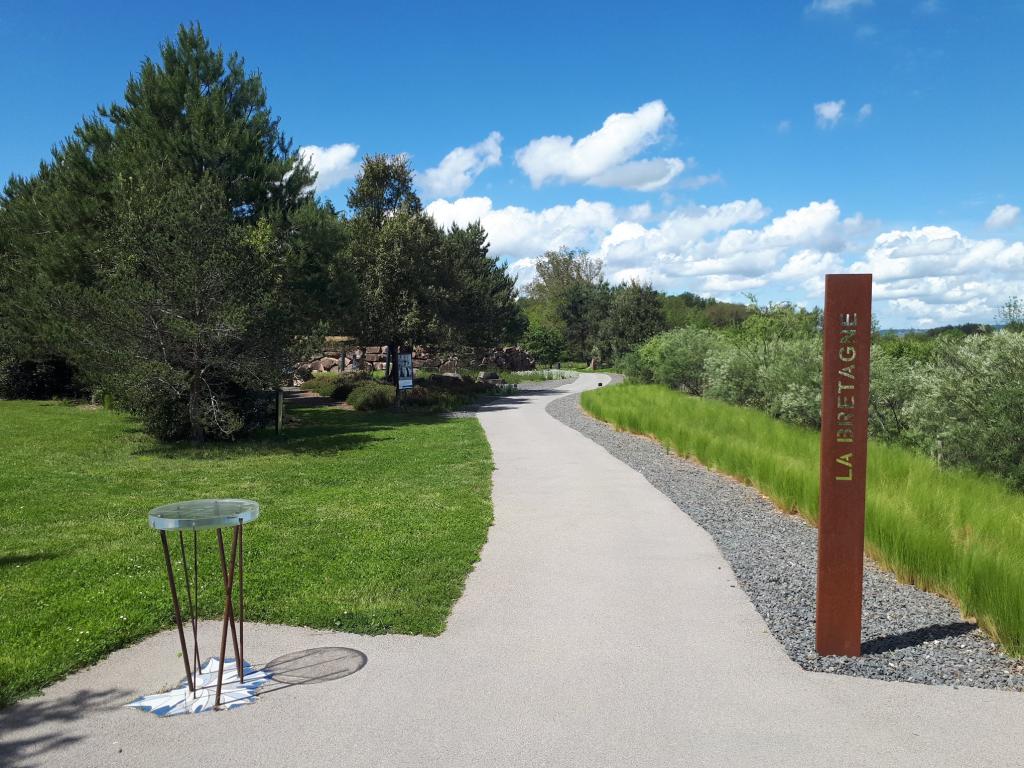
pixel 229 616
pixel 177 612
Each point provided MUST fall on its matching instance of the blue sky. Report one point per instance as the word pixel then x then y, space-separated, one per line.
pixel 715 147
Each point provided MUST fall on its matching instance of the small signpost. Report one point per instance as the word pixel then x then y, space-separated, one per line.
pixel 844 455
pixel 405 373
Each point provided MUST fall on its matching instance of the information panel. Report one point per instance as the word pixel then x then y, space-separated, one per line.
pixel 405 374
pixel 844 456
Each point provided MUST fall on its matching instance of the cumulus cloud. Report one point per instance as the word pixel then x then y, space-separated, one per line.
pixel 864 112
pixel 333 164
pixel 829 113
pixel 1002 216
pixel 709 248
pixel 836 6
pixel 784 126
pixel 923 276
pixel 520 235
pixel 460 167
pixel 696 182
pixel 605 158
pixel 936 275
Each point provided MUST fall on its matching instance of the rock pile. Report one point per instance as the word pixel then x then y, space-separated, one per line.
pixel 342 353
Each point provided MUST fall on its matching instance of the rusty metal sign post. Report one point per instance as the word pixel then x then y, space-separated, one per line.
pixel 844 456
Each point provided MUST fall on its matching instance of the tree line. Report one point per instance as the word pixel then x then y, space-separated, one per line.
pixel 575 314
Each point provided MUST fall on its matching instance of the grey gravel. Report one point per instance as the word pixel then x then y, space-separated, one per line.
pixel 908 634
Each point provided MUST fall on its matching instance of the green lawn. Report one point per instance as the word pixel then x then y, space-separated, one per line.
pixel 370 524
pixel 948 531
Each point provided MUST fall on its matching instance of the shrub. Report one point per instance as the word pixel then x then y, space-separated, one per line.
pixel 166 416
pixel 680 357
pixel 38 379
pixel 438 399
pixel 731 375
pixel 371 396
pixel 634 367
pixel 969 409
pixel 896 380
pixel 334 384
pixel 790 381
pixel 545 343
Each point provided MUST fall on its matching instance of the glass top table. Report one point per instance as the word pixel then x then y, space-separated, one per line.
pixel 200 514
pixel 194 516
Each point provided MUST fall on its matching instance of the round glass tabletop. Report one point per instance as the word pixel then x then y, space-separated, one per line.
pixel 203 513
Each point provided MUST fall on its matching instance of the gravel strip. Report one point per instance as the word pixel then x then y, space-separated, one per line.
pixel 909 635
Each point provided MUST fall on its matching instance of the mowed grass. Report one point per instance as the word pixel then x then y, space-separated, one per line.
pixel 370 524
pixel 947 531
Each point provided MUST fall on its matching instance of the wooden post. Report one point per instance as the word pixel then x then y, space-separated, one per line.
pixel 280 410
pixel 844 454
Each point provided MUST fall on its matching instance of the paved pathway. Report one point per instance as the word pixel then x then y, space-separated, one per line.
pixel 601 628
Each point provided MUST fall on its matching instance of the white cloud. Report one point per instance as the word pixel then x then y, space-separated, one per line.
pixel 927 275
pixel 520 235
pixel 696 182
pixel 784 126
pixel 333 164
pixel 829 113
pixel 1002 216
pixel 864 112
pixel 937 274
pixel 460 167
pixel 643 175
pixel 605 158
pixel 836 6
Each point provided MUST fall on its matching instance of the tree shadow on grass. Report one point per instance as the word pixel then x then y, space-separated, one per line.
pixel 916 637
pixel 318 431
pixel 32 730
pixel 6 560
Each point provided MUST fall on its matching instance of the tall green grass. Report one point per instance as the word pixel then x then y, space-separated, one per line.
pixel 945 530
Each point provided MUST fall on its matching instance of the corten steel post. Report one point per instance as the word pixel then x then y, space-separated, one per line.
pixel 844 454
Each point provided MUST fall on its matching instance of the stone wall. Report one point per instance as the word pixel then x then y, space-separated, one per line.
pixel 342 353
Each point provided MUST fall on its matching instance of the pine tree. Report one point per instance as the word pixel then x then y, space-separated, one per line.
pixel 193 123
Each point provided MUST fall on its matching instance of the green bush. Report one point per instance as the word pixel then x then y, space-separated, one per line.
pixel 433 398
pixel 897 376
pixel 790 381
pixel 165 415
pixel 968 410
pixel 371 396
pixel 545 343
pixel 334 384
pixel 679 358
pixel 38 379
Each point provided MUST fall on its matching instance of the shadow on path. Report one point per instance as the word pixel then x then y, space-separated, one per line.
pixel 313 665
pixel 21 750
